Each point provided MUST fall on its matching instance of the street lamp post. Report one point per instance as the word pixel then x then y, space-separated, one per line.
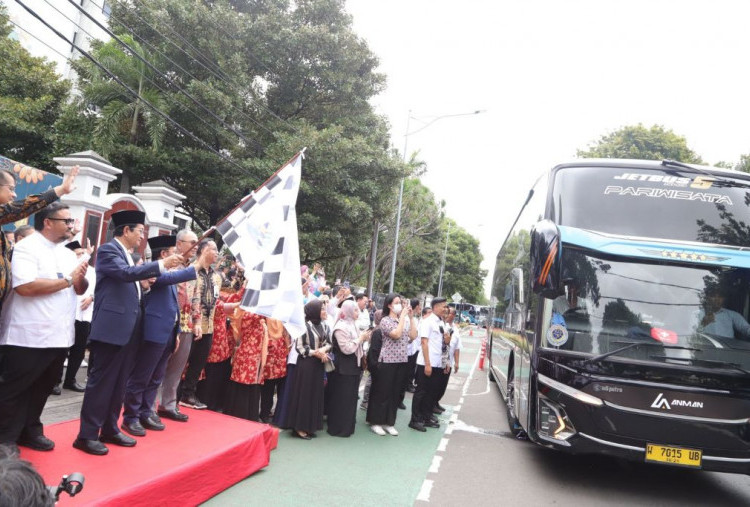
pixel 401 189
pixel 442 266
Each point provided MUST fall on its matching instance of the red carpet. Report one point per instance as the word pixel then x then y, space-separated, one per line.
pixel 186 464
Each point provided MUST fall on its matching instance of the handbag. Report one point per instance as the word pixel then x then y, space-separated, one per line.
pixel 328 365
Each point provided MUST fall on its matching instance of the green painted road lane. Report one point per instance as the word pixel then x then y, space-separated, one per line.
pixel 364 469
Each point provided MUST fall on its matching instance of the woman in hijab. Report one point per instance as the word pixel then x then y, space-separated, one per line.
pixel 343 381
pixel 305 415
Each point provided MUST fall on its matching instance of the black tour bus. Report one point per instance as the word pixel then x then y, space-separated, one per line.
pixel 624 293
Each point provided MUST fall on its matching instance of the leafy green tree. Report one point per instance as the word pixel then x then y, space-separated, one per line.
pixel 31 98
pixel 463 258
pixel 639 142
pixel 123 120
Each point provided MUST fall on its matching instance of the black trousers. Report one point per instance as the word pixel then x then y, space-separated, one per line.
pixel 426 393
pixel 109 370
pixel 267 391
pixel 196 362
pixel 213 389
pixel 443 386
pixel 27 376
pixel 76 352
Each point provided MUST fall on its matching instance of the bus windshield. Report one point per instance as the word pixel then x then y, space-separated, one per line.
pixel 684 314
pixel 654 203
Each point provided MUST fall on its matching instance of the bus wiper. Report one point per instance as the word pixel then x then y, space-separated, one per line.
pixel 707 362
pixel 631 345
pixel 720 181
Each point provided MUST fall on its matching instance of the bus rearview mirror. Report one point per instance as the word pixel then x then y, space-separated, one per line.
pixel 546 259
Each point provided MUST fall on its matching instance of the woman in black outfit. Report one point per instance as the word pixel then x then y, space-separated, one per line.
pixel 343 381
pixel 305 415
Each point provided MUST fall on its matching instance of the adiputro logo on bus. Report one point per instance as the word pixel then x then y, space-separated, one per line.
pixel 663 403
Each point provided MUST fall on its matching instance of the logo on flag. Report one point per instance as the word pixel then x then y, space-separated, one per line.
pixel 262 234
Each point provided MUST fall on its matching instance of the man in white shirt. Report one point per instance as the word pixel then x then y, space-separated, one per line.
pixel 433 335
pixel 36 326
pixel 453 354
pixel 84 311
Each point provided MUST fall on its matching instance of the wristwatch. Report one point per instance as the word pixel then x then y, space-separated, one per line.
pixel 69 279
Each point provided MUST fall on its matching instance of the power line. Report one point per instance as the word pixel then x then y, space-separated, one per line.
pixel 154 83
pixel 235 87
pixel 153 68
pixel 130 90
pixel 218 72
pixel 218 28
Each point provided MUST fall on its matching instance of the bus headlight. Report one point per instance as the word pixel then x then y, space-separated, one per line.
pixel 553 423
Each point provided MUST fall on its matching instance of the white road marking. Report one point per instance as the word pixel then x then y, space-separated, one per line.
pixel 449 430
pixel 457 408
pixel 435 466
pixel 443 444
pixel 453 419
pixel 424 491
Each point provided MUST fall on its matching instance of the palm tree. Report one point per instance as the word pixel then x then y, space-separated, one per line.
pixel 120 115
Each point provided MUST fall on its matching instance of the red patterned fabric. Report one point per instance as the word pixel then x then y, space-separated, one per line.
pixel 246 367
pixel 277 351
pixel 223 342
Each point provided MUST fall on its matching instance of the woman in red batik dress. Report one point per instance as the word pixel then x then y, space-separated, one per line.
pixel 212 389
pixel 243 395
pixel 274 373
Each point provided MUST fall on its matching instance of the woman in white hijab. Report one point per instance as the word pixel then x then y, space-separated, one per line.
pixel 343 381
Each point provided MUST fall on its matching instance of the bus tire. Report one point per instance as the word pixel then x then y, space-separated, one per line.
pixel 513 424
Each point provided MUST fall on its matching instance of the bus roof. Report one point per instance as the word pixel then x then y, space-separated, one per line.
pixel 651 164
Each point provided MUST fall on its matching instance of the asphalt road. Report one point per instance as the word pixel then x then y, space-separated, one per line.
pixel 483 464
pixel 471 460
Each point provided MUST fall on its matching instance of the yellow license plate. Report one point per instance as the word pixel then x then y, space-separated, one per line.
pixel 673 455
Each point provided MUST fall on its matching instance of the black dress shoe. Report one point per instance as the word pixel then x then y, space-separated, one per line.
pixel 38 443
pixel 91 446
pixel 303 437
pixel 431 424
pixel 416 425
pixel 410 389
pixel 437 410
pixel 134 428
pixel 175 415
pixel 401 406
pixel 75 386
pixel 434 419
pixel 120 439
pixel 57 390
pixel 440 407
pixel 152 423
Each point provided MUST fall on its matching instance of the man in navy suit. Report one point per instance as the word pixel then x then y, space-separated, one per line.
pixel 160 321
pixel 115 332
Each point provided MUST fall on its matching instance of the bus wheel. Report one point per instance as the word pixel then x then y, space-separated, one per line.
pixel 515 427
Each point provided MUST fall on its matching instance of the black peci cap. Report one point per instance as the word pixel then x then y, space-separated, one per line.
pixel 128 217
pixel 74 245
pixel 158 242
pixel 437 301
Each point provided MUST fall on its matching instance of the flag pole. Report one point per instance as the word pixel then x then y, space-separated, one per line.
pixel 213 227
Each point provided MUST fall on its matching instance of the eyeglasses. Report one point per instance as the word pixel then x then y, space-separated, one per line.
pixel 12 188
pixel 68 221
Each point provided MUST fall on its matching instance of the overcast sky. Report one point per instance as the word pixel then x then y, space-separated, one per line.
pixel 553 76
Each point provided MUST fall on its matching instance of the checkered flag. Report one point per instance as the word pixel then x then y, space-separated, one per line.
pixel 262 234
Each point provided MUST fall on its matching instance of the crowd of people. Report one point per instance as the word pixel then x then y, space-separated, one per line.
pixel 169 332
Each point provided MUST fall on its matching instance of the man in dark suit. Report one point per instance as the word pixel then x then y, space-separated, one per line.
pixel 160 321
pixel 115 332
